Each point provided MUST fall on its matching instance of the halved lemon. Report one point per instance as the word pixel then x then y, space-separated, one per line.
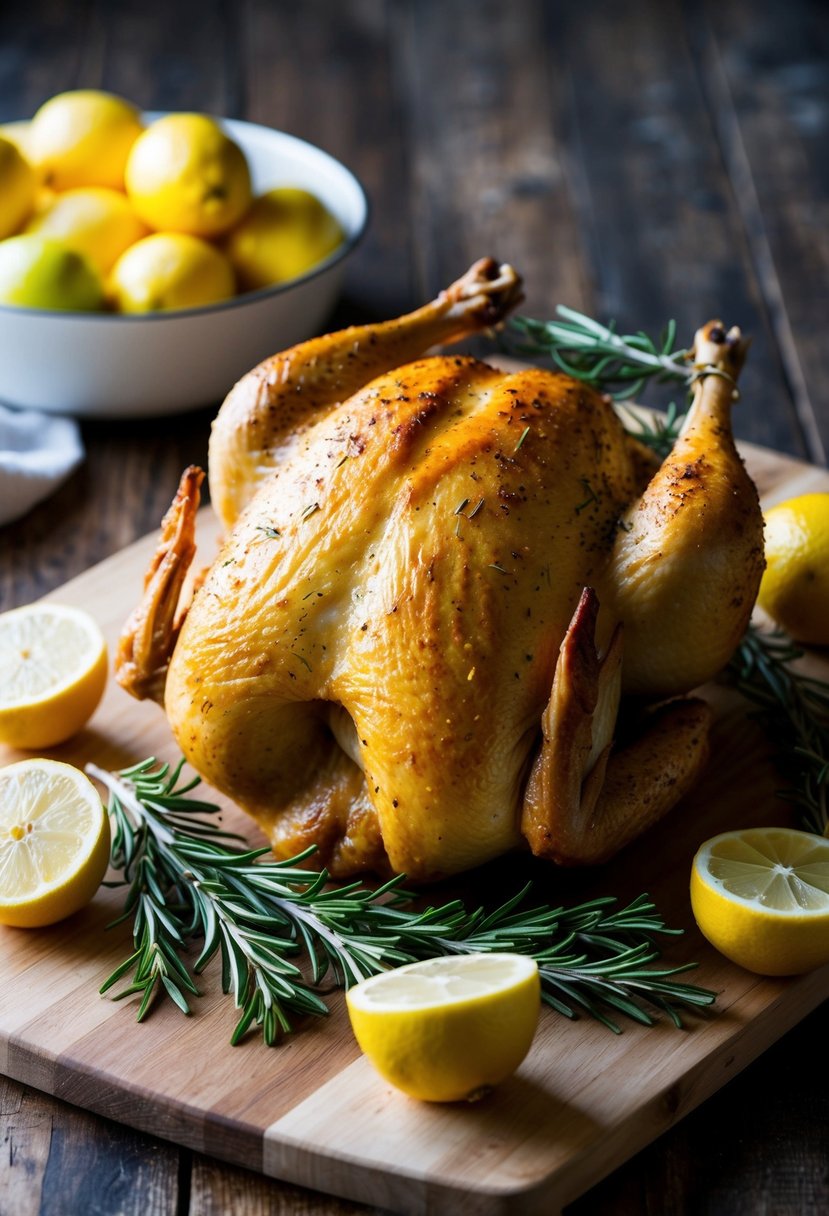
pixel 761 896
pixel 54 842
pixel 54 664
pixel 448 1029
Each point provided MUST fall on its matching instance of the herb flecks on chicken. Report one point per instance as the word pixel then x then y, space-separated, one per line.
pixel 438 581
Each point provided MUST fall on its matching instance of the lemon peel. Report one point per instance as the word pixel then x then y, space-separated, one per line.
pixel 448 1029
pixel 18 186
pixel 93 220
pixel 184 174
pixel 83 138
pixel 39 272
pixel 286 232
pixel 170 270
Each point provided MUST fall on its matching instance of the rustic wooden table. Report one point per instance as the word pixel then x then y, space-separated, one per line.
pixel 639 159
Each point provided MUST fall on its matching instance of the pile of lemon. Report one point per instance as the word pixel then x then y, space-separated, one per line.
pixel 99 212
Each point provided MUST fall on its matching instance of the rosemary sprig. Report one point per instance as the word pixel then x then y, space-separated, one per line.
pixel 619 364
pixel 280 930
pixel 795 708
pixel 659 432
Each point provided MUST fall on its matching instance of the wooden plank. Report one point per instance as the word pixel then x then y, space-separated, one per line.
pixel 206 79
pixel 662 230
pixel 712 1157
pixel 768 88
pixel 488 173
pixel 57 32
pixel 216 1190
pixel 312 1111
pixel 99 46
pixel 363 1128
pixel 39 59
pixel 331 79
pixel 121 491
pixel 61 1160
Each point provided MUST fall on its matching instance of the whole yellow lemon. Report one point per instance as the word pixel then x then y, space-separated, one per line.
pixel 17 133
pixel 40 272
pixel 795 587
pixel 186 175
pixel 83 138
pixel 170 270
pixel 286 232
pixel 17 188
pixel 94 220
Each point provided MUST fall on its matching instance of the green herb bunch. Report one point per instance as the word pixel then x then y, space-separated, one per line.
pixel 282 931
pixel 619 364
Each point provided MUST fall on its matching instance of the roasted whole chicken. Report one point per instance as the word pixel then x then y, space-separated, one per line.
pixel 439 582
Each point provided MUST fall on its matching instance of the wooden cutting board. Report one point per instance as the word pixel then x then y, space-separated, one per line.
pixel 312 1111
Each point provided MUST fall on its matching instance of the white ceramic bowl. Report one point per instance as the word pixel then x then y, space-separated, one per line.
pixel 99 365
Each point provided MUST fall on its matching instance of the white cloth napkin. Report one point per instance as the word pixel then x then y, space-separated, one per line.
pixel 37 454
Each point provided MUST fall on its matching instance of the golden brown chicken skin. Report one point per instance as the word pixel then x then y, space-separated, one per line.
pixel 423 585
pixel 395 657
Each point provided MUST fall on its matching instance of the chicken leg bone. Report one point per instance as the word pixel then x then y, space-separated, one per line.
pixel 267 415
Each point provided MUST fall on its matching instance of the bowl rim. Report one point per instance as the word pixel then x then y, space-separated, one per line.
pixel 238 301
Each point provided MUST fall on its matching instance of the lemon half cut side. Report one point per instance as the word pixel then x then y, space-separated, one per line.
pixel 448 1029
pixel 53 660
pixel 54 842
pixel 761 896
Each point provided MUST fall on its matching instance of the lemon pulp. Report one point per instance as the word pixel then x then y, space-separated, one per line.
pixel 761 896
pixel 54 842
pixel 448 1029
pixel 54 664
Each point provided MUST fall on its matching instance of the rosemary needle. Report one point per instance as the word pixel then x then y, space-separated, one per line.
pixel 281 930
